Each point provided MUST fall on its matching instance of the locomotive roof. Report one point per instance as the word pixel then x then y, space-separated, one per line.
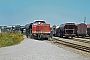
pixel 38 20
pixel 27 25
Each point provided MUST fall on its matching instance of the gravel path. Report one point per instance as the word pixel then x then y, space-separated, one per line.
pixel 30 49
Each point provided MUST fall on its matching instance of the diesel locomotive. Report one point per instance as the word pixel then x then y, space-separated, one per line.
pixel 38 29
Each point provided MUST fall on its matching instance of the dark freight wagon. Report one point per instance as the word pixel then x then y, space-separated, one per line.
pixel 88 29
pixel 81 30
pixel 57 31
pixel 67 30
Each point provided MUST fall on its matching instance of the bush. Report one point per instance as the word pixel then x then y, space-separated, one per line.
pixel 7 39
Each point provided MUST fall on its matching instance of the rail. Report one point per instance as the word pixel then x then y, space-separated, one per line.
pixel 80 45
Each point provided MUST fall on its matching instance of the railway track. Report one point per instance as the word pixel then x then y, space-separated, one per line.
pixel 85 40
pixel 83 46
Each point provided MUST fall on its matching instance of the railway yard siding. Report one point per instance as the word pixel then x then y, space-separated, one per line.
pixel 75 41
pixel 30 49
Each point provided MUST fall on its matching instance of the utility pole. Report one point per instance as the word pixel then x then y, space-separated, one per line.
pixel 84 19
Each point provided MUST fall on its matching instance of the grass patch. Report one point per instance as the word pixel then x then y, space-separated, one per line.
pixel 7 39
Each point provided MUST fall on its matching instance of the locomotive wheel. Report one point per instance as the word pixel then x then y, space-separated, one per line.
pixel 39 36
pixel 49 38
pixel 31 36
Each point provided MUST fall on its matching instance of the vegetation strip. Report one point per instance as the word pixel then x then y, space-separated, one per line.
pixel 7 39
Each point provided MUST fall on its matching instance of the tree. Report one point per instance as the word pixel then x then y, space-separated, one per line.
pixel 54 26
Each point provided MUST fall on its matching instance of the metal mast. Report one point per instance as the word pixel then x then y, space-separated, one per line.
pixel 84 19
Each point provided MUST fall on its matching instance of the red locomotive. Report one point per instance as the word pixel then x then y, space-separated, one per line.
pixel 38 29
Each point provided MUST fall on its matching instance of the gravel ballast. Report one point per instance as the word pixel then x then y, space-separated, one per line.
pixel 30 49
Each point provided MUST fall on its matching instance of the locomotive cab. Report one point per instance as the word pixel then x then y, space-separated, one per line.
pixel 36 22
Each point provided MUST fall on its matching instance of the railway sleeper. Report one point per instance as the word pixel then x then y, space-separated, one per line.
pixel 81 40
pixel 79 47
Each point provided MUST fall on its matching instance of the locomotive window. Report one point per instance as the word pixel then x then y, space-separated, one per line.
pixel 39 22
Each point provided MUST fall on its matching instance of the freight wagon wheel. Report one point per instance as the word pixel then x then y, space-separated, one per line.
pixel 83 36
pixel 61 36
pixel 89 35
pixel 77 36
pixel 72 37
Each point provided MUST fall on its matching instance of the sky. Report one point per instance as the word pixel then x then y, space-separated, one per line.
pixel 21 12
